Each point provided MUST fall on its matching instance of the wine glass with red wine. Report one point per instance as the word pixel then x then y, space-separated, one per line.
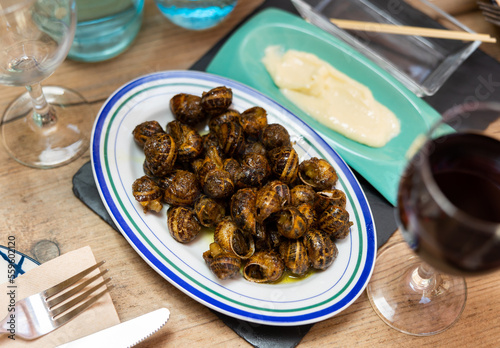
pixel 448 209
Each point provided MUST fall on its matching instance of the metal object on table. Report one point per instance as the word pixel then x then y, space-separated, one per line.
pixel 126 334
pixel 490 11
pixel 41 313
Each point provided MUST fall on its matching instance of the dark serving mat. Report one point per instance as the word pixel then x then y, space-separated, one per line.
pixel 475 80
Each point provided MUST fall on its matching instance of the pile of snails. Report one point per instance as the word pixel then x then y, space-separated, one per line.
pixel 243 179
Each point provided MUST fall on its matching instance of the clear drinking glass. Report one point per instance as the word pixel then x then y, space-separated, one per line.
pixel 449 214
pixel 196 14
pixel 105 28
pixel 45 127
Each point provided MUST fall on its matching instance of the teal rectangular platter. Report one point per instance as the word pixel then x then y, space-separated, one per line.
pixel 240 59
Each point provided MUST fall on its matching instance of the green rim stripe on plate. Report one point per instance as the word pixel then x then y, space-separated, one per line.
pixel 107 166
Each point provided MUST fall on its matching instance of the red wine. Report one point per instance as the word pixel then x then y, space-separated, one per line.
pixel 449 216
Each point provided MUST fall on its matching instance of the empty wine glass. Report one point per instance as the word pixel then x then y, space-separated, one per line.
pixel 50 126
pixel 449 213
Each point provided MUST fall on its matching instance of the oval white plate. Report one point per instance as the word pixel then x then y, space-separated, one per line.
pixel 117 161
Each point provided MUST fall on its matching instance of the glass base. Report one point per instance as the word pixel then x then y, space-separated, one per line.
pixel 410 303
pixel 54 144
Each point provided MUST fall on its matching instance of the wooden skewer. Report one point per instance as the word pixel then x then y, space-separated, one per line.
pixel 407 30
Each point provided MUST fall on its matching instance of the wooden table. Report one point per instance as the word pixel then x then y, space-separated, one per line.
pixel 39 205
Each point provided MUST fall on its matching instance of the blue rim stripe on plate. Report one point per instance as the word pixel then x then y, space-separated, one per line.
pixel 99 173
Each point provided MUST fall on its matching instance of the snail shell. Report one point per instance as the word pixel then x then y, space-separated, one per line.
pixel 317 173
pixel 187 140
pixel 253 147
pixel 291 223
pixel 320 249
pixel 210 140
pixel 335 222
pixel 143 131
pixel 232 239
pixel 217 100
pixel 212 161
pixel 295 257
pixel 228 116
pixel 223 264
pixel 243 210
pixel 181 188
pixel 209 211
pixel 264 267
pixel 302 194
pixel 284 163
pixel 233 167
pixel 274 135
pixel 307 209
pixel 161 153
pixel 148 194
pixel 217 183
pixel 182 224
pixel 187 108
pixel 327 198
pixel 254 170
pixel 231 138
pixel 253 121
pixel 270 199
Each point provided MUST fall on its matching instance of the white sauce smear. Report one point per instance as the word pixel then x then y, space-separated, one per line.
pixel 331 97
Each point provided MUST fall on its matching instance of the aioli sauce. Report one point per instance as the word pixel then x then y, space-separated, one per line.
pixel 331 97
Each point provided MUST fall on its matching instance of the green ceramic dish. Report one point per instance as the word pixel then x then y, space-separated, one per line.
pixel 240 59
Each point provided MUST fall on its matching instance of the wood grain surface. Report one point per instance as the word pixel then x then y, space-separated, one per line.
pixel 39 205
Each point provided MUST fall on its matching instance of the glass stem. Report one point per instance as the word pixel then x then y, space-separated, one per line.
pixel 43 114
pixel 424 280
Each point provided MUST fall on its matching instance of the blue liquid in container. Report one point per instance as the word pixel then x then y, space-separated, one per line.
pixel 196 14
pixel 105 28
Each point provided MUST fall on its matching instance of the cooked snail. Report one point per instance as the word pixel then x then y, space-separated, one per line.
pixel 295 257
pixel 211 162
pixel 335 221
pixel 264 267
pixel 253 121
pixel 284 163
pixel 307 209
pixel 270 199
pixel 217 100
pixel 254 170
pixel 232 239
pixel 242 210
pixel 187 108
pixel 327 198
pixel 210 141
pixel 302 194
pixel 161 153
pixel 143 131
pixel 274 135
pixel 233 167
pixel 182 224
pixel 320 249
pixel 317 173
pixel 181 188
pixel 227 116
pixel 291 223
pixel 253 147
pixel 209 211
pixel 223 264
pixel 217 183
pixel 187 140
pixel 231 138
pixel 148 194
